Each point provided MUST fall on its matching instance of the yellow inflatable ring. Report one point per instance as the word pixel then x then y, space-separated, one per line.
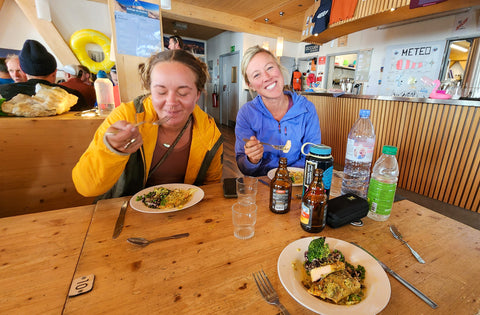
pixel 81 38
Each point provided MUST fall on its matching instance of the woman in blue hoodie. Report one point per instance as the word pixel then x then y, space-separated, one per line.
pixel 274 116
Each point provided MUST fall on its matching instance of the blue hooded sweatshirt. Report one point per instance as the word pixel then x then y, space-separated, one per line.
pixel 299 125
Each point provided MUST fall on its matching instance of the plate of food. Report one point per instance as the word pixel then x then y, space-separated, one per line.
pixel 166 198
pixel 332 285
pixel 296 174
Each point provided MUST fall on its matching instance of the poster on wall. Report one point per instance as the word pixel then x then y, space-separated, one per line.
pixel 407 64
pixel 137 28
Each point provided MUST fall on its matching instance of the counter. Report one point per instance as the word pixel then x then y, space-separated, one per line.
pixel 37 157
pixel 438 140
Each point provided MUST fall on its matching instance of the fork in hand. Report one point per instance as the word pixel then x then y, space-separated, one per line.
pixel 267 291
pixel 158 122
pixel 275 146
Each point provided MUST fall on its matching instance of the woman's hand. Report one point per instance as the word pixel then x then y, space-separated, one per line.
pixel 124 137
pixel 253 150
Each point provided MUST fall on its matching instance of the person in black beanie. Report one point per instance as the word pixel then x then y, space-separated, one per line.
pixel 40 66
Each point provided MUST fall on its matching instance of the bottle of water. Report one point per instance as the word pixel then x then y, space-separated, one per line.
pixel 383 185
pixel 358 158
pixel 104 91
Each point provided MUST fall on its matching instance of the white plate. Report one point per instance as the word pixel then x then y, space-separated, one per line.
pixel 378 289
pixel 140 206
pixel 271 173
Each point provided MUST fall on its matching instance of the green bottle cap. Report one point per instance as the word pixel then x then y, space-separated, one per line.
pixel 390 150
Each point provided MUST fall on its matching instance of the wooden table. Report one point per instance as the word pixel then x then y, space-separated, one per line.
pixel 210 272
pixel 38 256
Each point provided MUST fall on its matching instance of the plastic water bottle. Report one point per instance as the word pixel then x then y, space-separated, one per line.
pixel 358 158
pixel 104 91
pixel 383 185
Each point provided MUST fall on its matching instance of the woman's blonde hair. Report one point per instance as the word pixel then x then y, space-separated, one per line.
pixel 198 67
pixel 250 53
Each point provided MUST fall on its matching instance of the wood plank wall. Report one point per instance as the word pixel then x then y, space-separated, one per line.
pixel 37 156
pixel 438 144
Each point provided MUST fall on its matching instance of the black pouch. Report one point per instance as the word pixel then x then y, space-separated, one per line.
pixel 346 209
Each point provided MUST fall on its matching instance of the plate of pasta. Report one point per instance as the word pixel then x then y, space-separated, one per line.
pixel 296 174
pixel 166 198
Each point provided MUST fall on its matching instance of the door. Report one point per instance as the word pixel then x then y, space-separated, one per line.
pixel 229 83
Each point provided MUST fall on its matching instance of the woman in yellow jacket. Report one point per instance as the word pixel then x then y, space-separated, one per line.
pixel 186 147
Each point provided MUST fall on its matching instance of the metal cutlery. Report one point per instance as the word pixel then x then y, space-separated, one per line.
pixel 285 148
pixel 140 241
pixel 267 291
pixel 121 218
pixel 158 122
pixel 417 292
pixel 398 236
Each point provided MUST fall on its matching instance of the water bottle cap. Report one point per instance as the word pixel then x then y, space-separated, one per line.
pixel 390 150
pixel 101 74
pixel 364 113
pixel 320 149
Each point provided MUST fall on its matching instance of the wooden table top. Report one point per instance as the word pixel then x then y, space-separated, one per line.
pixel 38 257
pixel 210 272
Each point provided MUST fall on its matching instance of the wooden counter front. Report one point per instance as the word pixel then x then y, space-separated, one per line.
pixel 437 143
pixel 37 156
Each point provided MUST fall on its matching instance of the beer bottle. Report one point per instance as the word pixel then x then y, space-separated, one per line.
pixel 281 189
pixel 313 215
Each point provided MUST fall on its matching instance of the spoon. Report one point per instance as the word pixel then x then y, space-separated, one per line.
pixel 285 148
pixel 140 241
pixel 398 236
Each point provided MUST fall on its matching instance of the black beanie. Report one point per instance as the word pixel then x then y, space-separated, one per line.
pixel 36 60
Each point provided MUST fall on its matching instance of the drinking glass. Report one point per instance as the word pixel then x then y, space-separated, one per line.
pixel 244 216
pixel 247 189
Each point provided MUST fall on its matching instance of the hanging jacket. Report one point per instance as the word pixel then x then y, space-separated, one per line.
pixel 297 80
pixel 103 172
pixel 299 125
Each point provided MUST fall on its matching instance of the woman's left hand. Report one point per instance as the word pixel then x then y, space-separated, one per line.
pixel 124 137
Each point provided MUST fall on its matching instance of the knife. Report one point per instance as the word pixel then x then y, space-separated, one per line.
pixel 120 220
pixel 417 292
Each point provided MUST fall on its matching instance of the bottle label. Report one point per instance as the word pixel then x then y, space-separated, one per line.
pixel 360 151
pixel 380 197
pixel 280 199
pixel 305 213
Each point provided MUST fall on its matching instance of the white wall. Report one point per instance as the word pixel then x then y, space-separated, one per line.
pixel 378 39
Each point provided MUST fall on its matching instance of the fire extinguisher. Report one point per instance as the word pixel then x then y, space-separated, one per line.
pixel 215 96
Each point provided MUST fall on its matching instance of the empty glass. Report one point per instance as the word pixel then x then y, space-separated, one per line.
pixel 244 216
pixel 247 189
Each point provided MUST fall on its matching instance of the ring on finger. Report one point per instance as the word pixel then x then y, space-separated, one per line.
pixel 129 143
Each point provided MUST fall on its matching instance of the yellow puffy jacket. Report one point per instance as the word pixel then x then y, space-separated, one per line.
pixel 103 172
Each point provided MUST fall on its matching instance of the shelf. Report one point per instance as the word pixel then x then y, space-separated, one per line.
pixel 345 68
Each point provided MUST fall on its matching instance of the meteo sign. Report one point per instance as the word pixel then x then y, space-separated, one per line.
pixel 312 48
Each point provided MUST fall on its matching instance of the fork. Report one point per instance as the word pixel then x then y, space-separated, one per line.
pixel 158 122
pixel 267 291
pixel 275 146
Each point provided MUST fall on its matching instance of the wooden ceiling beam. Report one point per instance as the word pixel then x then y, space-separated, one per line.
pixel 221 20
pixel 49 33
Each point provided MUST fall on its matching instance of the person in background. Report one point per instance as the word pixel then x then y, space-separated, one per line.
pixel 86 75
pixel 273 116
pixel 4 75
pixel 13 66
pixel 40 66
pixel 116 90
pixel 73 75
pixel 186 147
pixel 175 42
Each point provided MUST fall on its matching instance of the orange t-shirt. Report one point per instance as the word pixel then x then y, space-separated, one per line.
pixel 342 10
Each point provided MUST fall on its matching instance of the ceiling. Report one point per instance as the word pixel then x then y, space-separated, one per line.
pixel 208 18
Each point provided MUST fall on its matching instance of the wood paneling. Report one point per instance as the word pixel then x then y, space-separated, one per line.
pixel 438 144
pixel 37 157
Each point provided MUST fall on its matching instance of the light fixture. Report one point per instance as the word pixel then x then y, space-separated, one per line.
pixel 267 20
pixel 43 10
pixel 458 47
pixel 166 4
pixel 279 51
pixel 281 13
pixel 266 45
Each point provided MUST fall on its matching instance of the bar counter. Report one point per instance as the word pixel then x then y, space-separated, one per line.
pixel 37 158
pixel 438 140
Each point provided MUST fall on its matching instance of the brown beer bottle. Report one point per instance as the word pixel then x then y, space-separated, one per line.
pixel 281 189
pixel 313 215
